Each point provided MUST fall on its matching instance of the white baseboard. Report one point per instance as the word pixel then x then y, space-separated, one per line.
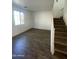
pixel 13 35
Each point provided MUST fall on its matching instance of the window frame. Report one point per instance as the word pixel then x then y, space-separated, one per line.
pixel 20 20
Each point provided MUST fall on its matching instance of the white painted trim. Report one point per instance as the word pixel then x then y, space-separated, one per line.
pixel 52 36
pixel 20 32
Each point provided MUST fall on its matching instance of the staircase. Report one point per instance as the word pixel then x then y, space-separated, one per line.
pixel 60 38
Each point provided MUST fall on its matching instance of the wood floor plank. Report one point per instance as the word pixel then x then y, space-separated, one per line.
pixel 33 44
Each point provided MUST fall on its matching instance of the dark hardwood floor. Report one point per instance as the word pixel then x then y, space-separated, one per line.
pixel 33 44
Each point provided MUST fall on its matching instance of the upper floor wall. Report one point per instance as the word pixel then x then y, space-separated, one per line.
pixel 65 12
pixel 60 9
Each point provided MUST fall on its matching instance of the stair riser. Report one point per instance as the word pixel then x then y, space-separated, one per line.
pixel 64 41
pixel 57 23
pixel 59 26
pixel 65 38
pixel 58 54
pixel 61 47
pixel 57 19
pixel 61 30
pixel 60 34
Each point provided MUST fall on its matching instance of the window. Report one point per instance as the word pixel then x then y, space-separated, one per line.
pixel 18 17
pixel 22 18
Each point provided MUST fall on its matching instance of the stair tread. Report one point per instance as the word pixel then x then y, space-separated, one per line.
pixel 56 23
pixel 61 22
pixel 61 47
pixel 58 20
pixel 60 25
pixel 59 55
pixel 61 43
pixel 60 51
pixel 61 32
pixel 62 37
pixel 60 29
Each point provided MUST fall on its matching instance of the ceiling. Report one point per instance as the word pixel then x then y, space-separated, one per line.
pixel 35 5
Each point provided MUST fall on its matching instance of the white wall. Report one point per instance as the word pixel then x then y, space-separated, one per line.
pixel 57 8
pixel 42 20
pixel 65 12
pixel 21 28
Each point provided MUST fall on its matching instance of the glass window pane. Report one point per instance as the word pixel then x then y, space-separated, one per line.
pixel 22 17
pixel 17 17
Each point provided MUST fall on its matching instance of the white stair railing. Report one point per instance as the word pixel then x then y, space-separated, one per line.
pixel 52 36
